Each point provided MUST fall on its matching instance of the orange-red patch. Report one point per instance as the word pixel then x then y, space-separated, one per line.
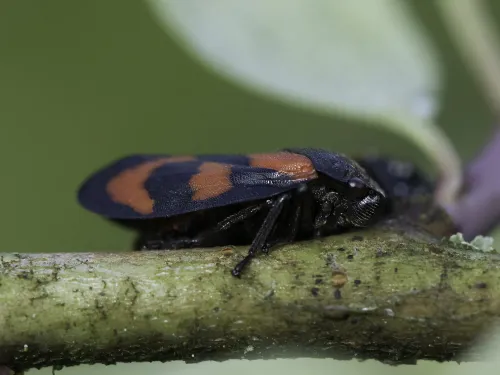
pixel 339 278
pixel 212 180
pixel 128 187
pixel 227 251
pixel 296 166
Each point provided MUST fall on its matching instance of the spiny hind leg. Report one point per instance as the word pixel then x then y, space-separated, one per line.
pixel 293 223
pixel 168 244
pixel 264 238
pixel 242 215
pixel 158 242
pixel 265 230
pixel 216 236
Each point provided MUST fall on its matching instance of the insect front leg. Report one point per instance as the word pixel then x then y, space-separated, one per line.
pixel 336 222
pixel 264 231
pixel 327 204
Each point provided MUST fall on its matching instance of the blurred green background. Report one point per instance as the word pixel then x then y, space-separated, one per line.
pixel 85 82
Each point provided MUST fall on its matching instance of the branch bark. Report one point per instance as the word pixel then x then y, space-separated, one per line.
pixel 394 292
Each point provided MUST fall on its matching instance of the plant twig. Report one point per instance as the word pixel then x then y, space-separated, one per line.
pixel 478 210
pixel 475 35
pixel 393 293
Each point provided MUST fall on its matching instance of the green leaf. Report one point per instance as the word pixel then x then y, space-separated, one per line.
pixel 364 59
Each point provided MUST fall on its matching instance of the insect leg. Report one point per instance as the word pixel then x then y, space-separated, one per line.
pixel 264 231
pixel 292 233
pixel 153 243
pixel 240 216
pixel 294 225
pixel 327 203
pixel 294 221
pixel 206 238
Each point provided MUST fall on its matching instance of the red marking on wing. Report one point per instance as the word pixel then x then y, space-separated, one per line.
pixel 212 180
pixel 128 187
pixel 297 166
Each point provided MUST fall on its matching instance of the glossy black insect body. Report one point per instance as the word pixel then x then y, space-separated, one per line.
pixel 398 178
pixel 212 200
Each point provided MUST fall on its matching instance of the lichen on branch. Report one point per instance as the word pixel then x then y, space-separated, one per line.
pixel 395 292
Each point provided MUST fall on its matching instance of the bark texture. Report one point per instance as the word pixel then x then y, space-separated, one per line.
pixel 395 292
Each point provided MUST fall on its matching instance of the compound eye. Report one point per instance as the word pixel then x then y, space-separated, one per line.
pixel 356 183
pixel 357 188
